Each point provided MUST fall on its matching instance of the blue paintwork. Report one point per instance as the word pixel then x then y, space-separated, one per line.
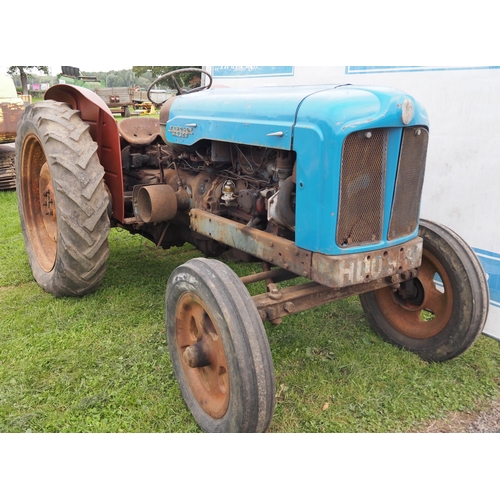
pixel 323 122
pixel 315 121
pixel 243 116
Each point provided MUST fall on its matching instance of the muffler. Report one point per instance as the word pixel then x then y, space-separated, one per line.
pixel 154 203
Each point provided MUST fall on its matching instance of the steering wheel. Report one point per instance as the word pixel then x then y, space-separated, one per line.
pixel 171 75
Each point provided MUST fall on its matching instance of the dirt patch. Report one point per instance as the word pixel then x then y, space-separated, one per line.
pixel 486 420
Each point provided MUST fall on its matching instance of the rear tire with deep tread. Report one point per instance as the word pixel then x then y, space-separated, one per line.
pixel 62 198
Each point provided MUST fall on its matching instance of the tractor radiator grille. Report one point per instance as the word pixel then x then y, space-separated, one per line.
pixel 362 181
pixel 409 181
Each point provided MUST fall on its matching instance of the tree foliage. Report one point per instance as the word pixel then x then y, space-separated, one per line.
pixel 137 76
pixel 118 78
pixel 24 72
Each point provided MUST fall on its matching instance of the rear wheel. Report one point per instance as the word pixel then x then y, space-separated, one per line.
pixel 63 203
pixel 439 314
pixel 219 348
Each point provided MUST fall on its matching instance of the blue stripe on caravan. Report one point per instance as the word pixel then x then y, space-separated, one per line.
pixel 491 265
pixel 250 71
pixel 357 70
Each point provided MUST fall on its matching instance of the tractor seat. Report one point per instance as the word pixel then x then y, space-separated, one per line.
pixel 139 131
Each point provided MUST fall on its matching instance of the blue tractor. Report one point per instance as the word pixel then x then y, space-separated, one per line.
pixel 320 182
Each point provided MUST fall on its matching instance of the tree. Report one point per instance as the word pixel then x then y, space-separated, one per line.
pixel 24 72
pixel 188 79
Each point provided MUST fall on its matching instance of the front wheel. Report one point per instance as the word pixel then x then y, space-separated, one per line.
pixel 62 198
pixel 219 348
pixel 439 314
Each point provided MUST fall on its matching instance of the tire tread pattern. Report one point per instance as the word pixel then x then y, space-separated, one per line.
pixel 245 343
pixel 81 198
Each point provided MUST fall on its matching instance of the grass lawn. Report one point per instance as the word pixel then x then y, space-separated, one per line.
pixel 100 363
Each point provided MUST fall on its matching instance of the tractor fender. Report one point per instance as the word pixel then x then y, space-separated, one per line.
pixel 103 129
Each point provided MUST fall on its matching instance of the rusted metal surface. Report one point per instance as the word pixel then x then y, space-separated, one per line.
pixel 10 115
pixel 267 247
pixel 156 203
pixel 7 169
pixel 202 355
pixel 139 131
pixel 272 307
pixel 39 203
pixel 276 275
pixel 363 267
pixel 428 309
pixel 48 204
pixel 332 271
pixel 273 292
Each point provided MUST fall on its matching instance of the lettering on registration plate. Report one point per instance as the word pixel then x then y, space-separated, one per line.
pixel 353 269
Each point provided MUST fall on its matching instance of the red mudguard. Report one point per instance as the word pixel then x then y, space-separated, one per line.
pixel 104 131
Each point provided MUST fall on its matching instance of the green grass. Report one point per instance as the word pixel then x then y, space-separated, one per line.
pixel 100 363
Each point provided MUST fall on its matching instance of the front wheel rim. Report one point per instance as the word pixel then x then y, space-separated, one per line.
pixel 431 315
pixel 202 355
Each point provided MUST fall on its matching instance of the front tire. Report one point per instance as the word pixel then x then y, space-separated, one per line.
pixel 62 199
pixel 219 348
pixel 440 321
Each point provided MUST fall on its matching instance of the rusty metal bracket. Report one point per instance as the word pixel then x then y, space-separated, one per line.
pixel 276 275
pixel 306 296
pixel 335 271
pixel 266 246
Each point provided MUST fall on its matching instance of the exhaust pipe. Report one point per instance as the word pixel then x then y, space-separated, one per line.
pixel 155 203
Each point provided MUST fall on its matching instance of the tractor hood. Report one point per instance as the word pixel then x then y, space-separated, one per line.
pixel 266 116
